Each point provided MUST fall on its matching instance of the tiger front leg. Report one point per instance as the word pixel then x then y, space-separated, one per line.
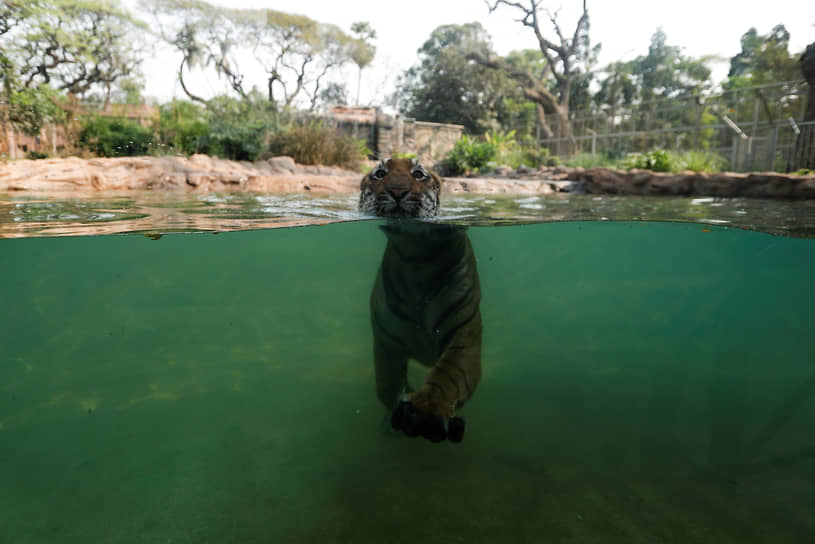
pixel 430 411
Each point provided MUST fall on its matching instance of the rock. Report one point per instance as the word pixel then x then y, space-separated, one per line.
pixel 502 170
pixel 283 164
pixel 281 174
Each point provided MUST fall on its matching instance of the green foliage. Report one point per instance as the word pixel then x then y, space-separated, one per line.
pixel 587 160
pixel 502 142
pixel 34 155
pixel 472 154
pixel 30 109
pixel 183 128
pixel 295 51
pixel 763 59
pixel 228 127
pixel 238 127
pixel 445 88
pixel 701 161
pixel 670 161
pixel 74 46
pixel 362 51
pixel 664 72
pixel 656 161
pixel 318 144
pixel 114 137
pixel 469 155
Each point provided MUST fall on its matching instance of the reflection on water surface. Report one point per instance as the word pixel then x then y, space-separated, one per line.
pixel 70 214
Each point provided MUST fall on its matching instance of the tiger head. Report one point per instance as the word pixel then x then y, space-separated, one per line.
pixel 400 188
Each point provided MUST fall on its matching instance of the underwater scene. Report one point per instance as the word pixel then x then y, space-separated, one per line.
pixel 648 374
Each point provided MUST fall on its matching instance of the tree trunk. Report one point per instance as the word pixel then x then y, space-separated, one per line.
pixel 803 154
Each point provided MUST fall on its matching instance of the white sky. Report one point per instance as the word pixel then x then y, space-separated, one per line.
pixel 624 27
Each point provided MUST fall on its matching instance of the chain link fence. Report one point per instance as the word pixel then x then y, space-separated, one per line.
pixel 754 128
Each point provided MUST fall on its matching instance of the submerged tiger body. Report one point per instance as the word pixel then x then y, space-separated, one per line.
pixel 424 304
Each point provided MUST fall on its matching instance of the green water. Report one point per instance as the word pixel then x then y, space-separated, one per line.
pixel 643 382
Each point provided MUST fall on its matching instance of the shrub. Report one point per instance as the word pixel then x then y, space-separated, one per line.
pixel 552 161
pixel 318 144
pixel 670 161
pixel 183 128
pixel 36 155
pixel 587 160
pixel 656 161
pixel 701 161
pixel 469 155
pixel 114 137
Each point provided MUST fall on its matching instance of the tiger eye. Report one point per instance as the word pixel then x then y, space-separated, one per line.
pixel 420 174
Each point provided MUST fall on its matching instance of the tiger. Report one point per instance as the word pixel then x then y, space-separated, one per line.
pixel 425 303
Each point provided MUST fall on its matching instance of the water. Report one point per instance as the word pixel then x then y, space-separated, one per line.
pixel 643 381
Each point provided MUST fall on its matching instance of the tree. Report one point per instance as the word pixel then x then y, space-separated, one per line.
pixel 665 72
pixel 445 88
pixel 205 35
pixel 363 52
pixel 807 61
pixel 334 94
pixel 763 59
pixel 566 59
pixel 297 53
pixel 72 46
pixel 803 155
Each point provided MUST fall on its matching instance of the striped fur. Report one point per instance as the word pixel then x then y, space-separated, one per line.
pixel 400 188
pixel 425 305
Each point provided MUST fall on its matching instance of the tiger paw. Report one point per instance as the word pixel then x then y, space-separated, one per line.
pixel 413 422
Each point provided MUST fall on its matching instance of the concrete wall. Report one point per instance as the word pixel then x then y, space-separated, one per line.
pixel 430 141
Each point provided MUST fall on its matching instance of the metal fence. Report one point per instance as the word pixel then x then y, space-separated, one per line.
pixel 754 128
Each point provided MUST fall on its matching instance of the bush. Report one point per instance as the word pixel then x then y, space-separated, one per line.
pixel 701 161
pixel 656 161
pixel 318 144
pixel 669 161
pixel 587 160
pixel 469 155
pixel 114 137
pixel 183 128
pixel 36 155
pixel 227 127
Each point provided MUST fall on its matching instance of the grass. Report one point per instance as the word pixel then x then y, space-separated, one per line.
pixel 656 160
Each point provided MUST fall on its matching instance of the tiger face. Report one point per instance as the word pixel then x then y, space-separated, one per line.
pixel 400 188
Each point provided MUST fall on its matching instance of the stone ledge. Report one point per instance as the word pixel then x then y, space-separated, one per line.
pixel 201 173
pixel 645 182
pixel 196 173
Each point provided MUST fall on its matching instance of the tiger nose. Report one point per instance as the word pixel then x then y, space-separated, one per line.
pixel 397 193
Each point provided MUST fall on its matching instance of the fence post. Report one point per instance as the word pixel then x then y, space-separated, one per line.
pixel 772 148
pixel 697 124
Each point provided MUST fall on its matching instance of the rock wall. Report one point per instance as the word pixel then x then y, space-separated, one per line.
pixel 197 173
pixel 430 141
pixel 282 175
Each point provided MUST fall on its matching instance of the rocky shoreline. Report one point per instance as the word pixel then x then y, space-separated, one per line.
pixel 201 173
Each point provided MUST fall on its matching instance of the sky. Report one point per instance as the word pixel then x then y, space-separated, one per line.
pixel 623 27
